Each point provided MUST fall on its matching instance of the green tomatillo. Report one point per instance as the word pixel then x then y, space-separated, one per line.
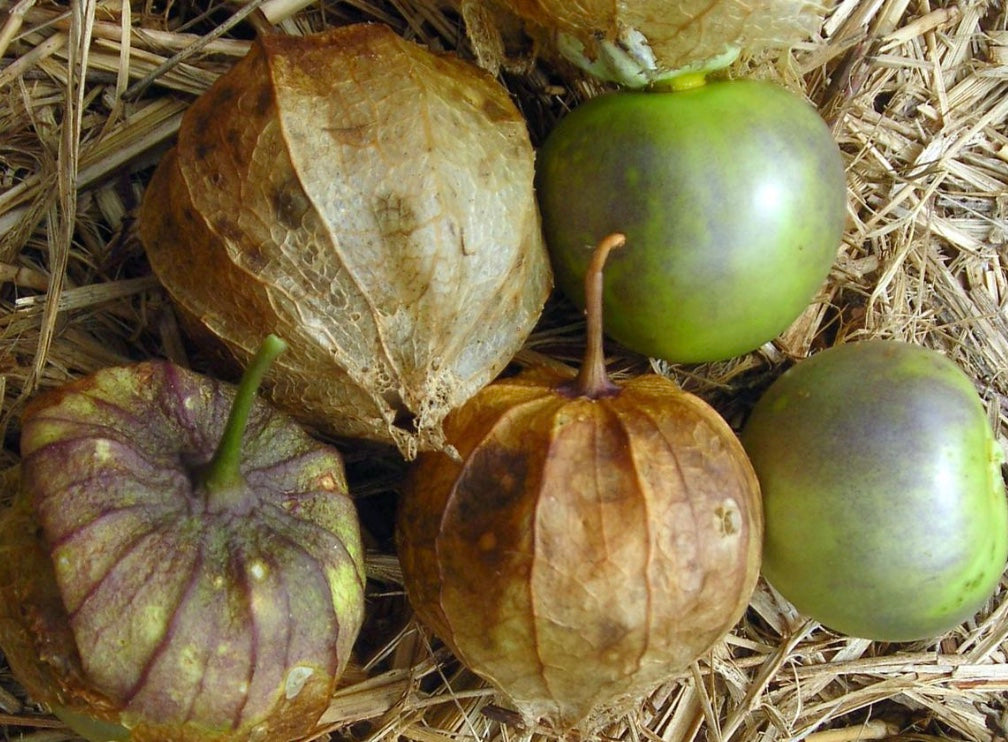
pixel 733 194
pixel 882 490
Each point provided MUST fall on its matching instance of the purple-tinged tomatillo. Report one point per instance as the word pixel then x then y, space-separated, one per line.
pixel 182 561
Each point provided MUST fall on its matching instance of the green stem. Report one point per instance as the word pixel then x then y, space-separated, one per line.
pixel 224 469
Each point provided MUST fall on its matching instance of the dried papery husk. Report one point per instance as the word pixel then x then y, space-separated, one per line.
pixel 372 202
pixel 641 41
pixel 593 539
pixel 138 602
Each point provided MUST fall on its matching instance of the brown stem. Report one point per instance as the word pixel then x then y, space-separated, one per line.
pixel 592 380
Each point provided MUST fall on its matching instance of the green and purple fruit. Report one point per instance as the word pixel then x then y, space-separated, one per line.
pixel 882 490
pixel 181 561
pixel 732 193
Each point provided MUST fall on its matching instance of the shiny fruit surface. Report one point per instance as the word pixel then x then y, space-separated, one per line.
pixel 732 194
pixel 884 502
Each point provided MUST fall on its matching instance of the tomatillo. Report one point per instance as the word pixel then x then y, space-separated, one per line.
pixel 732 193
pixel 883 497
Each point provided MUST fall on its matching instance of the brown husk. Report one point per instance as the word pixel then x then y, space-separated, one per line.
pixel 584 548
pixel 371 203
pixel 677 34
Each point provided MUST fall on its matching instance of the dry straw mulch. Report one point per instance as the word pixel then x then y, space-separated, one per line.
pixel 917 97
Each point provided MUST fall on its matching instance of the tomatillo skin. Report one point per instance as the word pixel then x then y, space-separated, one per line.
pixel 884 502
pixel 732 195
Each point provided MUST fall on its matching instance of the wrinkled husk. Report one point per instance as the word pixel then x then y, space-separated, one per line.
pixel 371 203
pixel 583 550
pixel 130 596
pixel 641 41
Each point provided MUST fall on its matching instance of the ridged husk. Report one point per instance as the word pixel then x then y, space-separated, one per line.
pixel 657 37
pixel 129 595
pixel 371 203
pixel 583 550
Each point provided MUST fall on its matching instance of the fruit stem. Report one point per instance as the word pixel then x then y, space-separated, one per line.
pixel 686 81
pixel 224 470
pixel 592 380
